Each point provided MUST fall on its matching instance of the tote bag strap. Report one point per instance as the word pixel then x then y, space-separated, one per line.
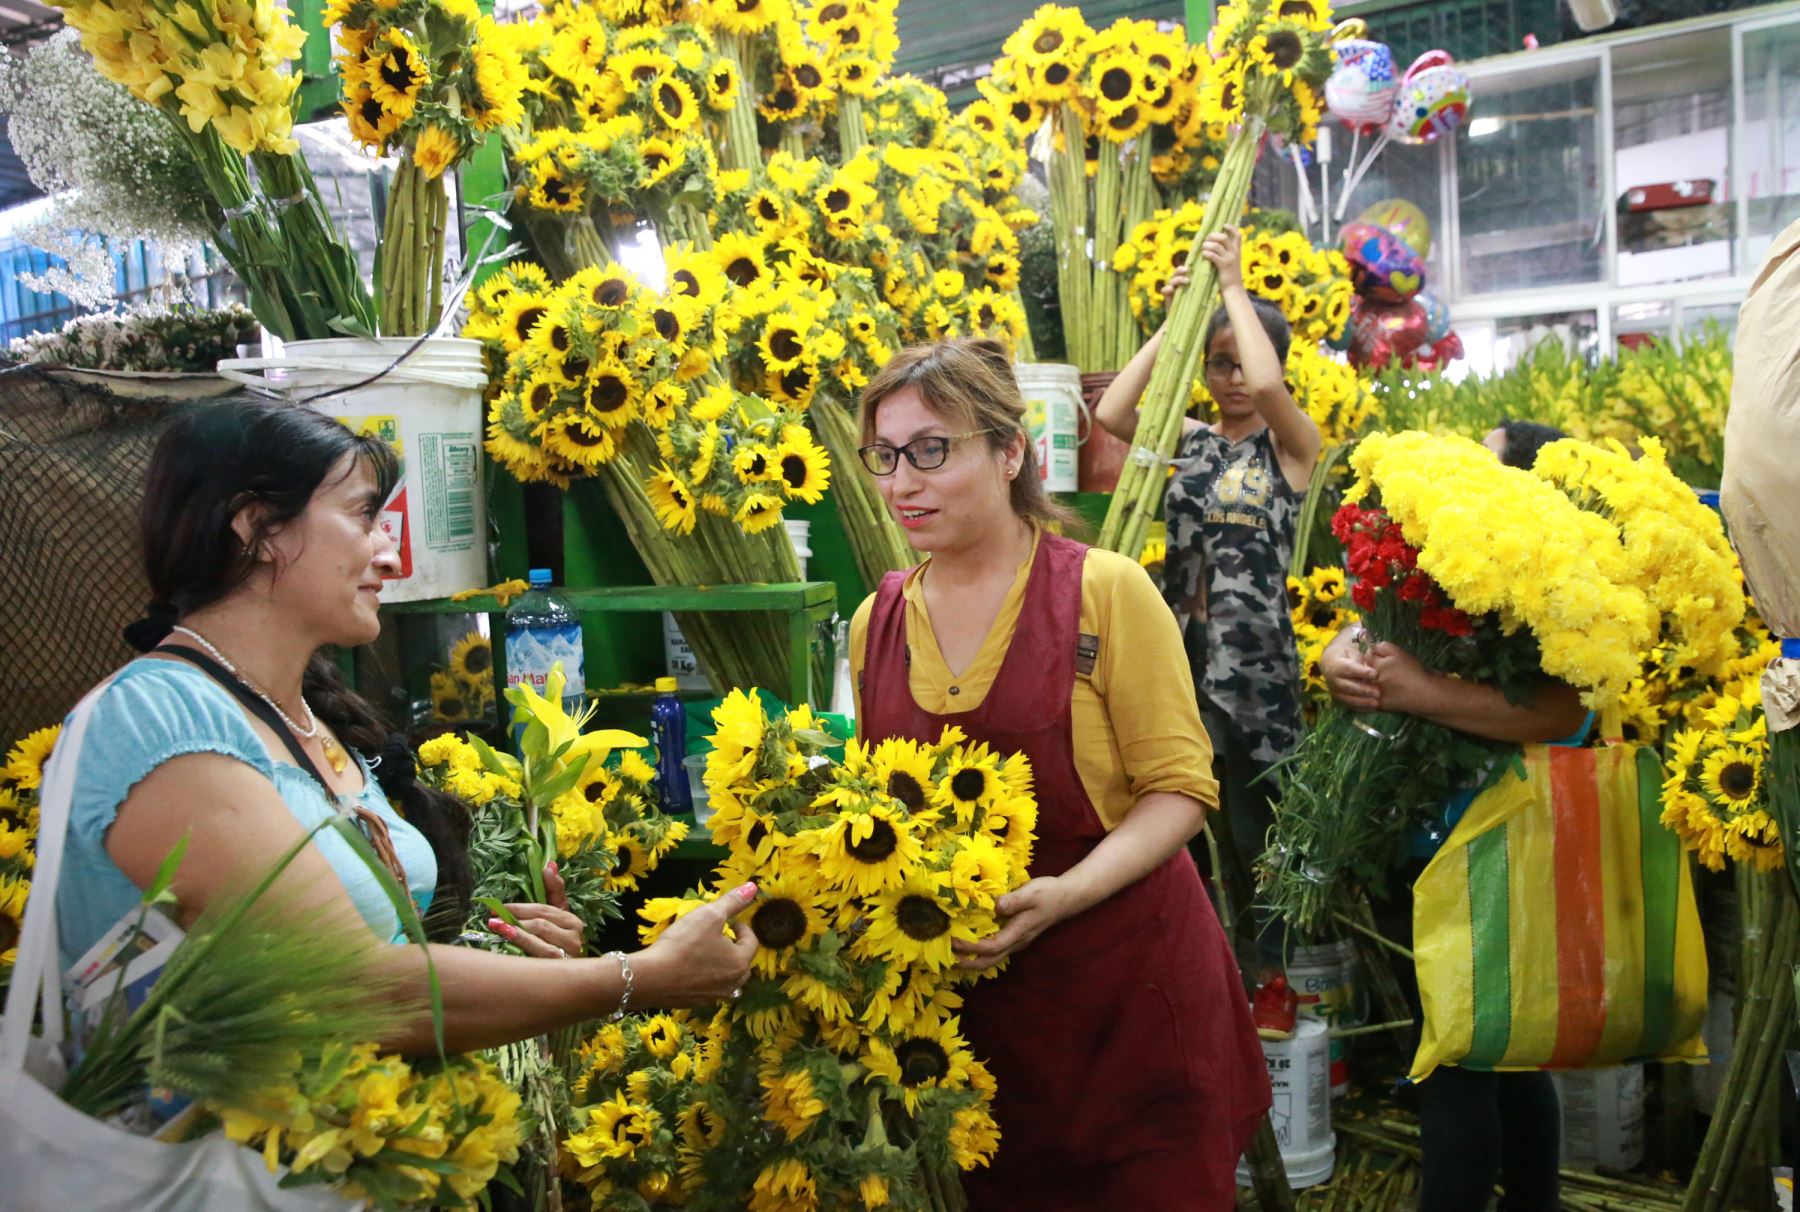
pixel 36 977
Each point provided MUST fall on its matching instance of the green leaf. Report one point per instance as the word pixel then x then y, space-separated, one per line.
pixel 490 760
pixel 498 910
pixel 158 892
pixel 563 782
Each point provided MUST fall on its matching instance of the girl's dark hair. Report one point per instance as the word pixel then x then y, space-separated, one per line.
pixel 209 465
pixel 1523 441
pixel 1273 323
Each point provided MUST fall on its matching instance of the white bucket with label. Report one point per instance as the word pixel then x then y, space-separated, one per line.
pixel 1323 978
pixel 426 404
pixel 1300 1110
pixel 1053 408
pixel 800 535
pixel 679 659
pixel 1602 1118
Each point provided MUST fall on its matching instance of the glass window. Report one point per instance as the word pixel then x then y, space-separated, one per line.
pixel 1529 180
pixel 1636 325
pixel 1516 336
pixel 1769 135
pixel 1671 148
pixel 1414 174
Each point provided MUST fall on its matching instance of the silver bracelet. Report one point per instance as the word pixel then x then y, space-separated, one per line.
pixel 624 975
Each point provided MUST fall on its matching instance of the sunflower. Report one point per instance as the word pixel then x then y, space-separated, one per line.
pixel 496 100
pixel 758 513
pixel 907 992
pixel 701 1128
pixel 551 188
pixel 803 466
pixel 1279 49
pixel 795 385
pixel 630 862
pixel 694 276
pixel 706 453
pixel 754 463
pixel 25 760
pixel 1127 124
pixel 783 102
pixel 14 891
pixel 672 500
pixel 675 103
pixel 935 1056
pixel 522 312
pixel 448 701
pixel 662 404
pixel 864 851
pixel 785 1185
pixel 971 781
pixel 902 769
pixel 580 440
pixel 616 1129
pixel 981 872
pixel 1222 97
pixel 721 85
pixel 610 395
pixel 1732 774
pixel 742 258
pixel 746 16
pixel 787 915
pixel 1011 822
pixel 399 72
pixel 371 123
pixel 472 658
pixel 783 341
pixel 1053 32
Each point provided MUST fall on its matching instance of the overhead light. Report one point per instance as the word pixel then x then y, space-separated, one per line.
pixel 1481 128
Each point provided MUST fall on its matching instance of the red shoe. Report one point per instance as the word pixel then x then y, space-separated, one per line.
pixel 1274 1009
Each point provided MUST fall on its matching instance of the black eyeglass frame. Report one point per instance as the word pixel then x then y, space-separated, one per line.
pixel 912 456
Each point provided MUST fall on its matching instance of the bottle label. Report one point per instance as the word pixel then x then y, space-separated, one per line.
pixel 532 652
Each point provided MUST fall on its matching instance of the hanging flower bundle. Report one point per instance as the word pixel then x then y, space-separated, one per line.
pixel 21 777
pixel 840 1077
pixel 1715 794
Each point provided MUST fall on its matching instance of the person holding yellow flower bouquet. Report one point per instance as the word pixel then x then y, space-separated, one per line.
pixel 234 732
pixel 1128 1073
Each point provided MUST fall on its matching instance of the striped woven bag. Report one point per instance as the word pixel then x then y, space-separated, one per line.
pixel 1556 928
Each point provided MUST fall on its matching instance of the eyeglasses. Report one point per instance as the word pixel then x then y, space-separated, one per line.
pixel 1220 366
pixel 925 454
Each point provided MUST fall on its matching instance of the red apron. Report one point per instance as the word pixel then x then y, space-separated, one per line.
pixel 1130 1075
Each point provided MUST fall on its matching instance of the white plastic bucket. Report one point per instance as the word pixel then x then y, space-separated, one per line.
pixel 695 765
pixel 1052 392
pixel 1300 1112
pixel 428 408
pixel 1602 1118
pixel 1323 978
pixel 679 659
pixel 800 535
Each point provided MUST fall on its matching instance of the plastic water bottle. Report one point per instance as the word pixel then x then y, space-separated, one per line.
pixel 668 732
pixel 542 630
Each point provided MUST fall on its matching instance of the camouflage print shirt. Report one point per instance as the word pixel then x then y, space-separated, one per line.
pixel 1231 516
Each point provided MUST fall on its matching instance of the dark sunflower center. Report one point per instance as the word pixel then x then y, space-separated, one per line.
pixel 784 343
pixel 1115 84
pixel 785 100
pixel 1048 42
pixel 797 382
pixel 921 918
pixel 478 659
pixel 748 6
pixel 794 470
pixel 559 338
pixel 1228 95
pixel 667 326
pixel 607 393
pixel 849 35
pixel 1021 111
pixel 756 466
pixel 556 190
pixel 881 842
pixel 528 320
pixel 575 366
pixel 1125 119
pixel 968 785
pixel 9 932
pixel 679 495
pixel 756 834
pixel 807 76
pixel 595 791
pixel 624 861
pixel 371 111
pixel 853 72
pixel 1294 8
pixel 451 705
pixel 669 97
pixel 654 160
pixel 837 200
pixel 1056 75
pixel 686 283
pixel 833 12
pixel 542 396
pixel 768 210
pixel 779 923
pixel 1285 48
pixel 921 1061
pixel 1737 780
pixel 905 788
pixel 742 271
pixel 581 435
pixel 397 70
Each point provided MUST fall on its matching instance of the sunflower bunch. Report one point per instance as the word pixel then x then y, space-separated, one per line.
pixel 840 1077
pixel 904 109
pixel 1330 391
pixel 1714 793
pixel 1674 546
pixel 220 72
pixel 1270 60
pixel 379 1128
pixel 465 690
pixel 1320 607
pixel 21 777
pixel 859 39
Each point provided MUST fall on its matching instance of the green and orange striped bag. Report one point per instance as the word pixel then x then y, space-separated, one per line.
pixel 1556 928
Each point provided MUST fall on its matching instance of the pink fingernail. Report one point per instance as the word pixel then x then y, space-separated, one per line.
pixel 552 866
pixel 747 891
pixel 501 928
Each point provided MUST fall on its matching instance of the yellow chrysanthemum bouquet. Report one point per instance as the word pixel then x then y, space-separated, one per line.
pixel 1268 62
pixel 427 80
pixel 1477 570
pixel 839 1077
pixel 21 776
pixel 220 72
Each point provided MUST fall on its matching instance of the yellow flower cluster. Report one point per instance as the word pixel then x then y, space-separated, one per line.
pixel 1714 794
pixel 601 366
pixel 465 691
pixel 1330 391
pixel 1310 285
pixel 1499 539
pixel 1271 59
pixel 1319 604
pixel 1674 546
pixel 434 76
pixel 218 65
pixel 1678 395
pixel 1671 694
pixel 1121 83
pixel 381 1129
pixel 21 780
pixel 867 873
pixel 859 37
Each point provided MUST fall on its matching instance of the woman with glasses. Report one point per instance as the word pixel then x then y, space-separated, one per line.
pixel 1129 1074
pixel 1231 510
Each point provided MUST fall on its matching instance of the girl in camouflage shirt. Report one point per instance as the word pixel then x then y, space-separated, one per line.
pixel 1231 510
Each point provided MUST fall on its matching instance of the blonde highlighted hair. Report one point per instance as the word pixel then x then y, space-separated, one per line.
pixel 969 383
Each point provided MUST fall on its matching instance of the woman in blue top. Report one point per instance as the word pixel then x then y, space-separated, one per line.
pixel 261 544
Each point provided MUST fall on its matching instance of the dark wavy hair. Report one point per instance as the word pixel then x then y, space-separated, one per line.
pixel 210 464
pixel 1267 313
pixel 1524 439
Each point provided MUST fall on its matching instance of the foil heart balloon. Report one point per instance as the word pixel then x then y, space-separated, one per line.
pixel 1382 266
pixel 1432 101
pixel 1404 220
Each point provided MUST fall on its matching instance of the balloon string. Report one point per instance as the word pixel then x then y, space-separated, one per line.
pixel 1350 165
pixel 1307 211
pixel 1361 172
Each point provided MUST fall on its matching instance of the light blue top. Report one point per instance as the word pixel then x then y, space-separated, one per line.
pixel 156 710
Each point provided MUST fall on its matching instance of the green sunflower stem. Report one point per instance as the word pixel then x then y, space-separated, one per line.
pixel 411 241
pixel 1069 219
pixel 791 141
pixel 741 151
pixel 1102 281
pixel 852 135
pixel 1141 484
pixel 876 540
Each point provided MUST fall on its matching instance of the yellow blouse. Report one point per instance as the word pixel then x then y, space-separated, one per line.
pixel 1135 719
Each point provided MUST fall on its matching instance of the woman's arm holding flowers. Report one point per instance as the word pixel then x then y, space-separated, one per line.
pixel 1404 685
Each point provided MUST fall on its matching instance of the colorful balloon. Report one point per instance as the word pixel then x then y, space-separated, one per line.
pixel 1432 102
pixel 1437 315
pixel 1404 220
pixel 1382 266
pixel 1383 331
pixel 1360 91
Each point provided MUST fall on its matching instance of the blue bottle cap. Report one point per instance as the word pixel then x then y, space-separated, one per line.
pixel 539 578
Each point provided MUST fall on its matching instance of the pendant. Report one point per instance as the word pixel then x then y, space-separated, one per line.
pixel 334 753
